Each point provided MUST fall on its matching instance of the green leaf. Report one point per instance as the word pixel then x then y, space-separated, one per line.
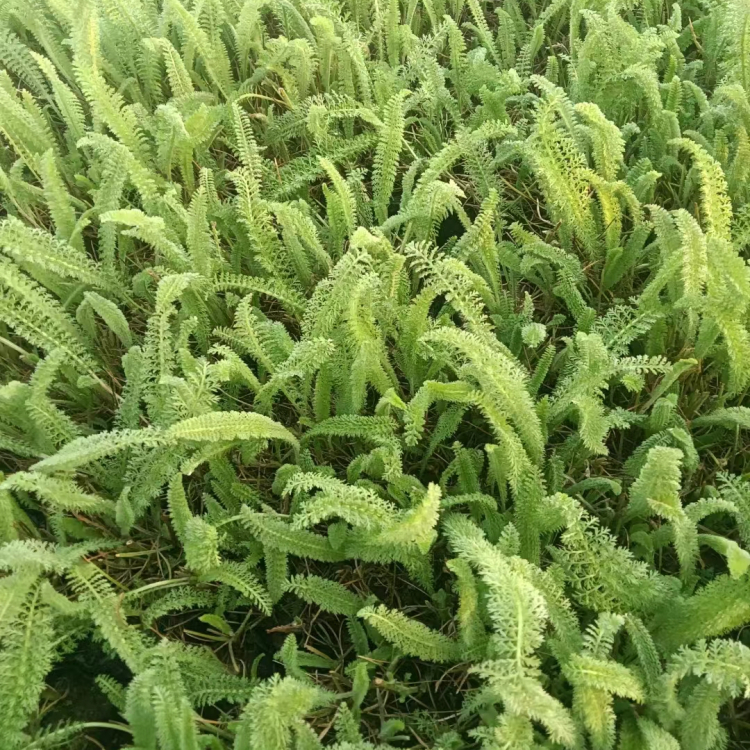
pixel 226 426
pixel 216 622
pixel 410 636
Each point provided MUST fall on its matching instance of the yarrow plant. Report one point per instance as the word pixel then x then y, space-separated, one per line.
pixel 374 374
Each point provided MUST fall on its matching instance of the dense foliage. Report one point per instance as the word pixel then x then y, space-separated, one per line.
pixel 374 374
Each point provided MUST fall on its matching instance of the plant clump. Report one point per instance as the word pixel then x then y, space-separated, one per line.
pixel 374 374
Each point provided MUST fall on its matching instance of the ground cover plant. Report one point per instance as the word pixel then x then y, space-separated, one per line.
pixel 374 374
